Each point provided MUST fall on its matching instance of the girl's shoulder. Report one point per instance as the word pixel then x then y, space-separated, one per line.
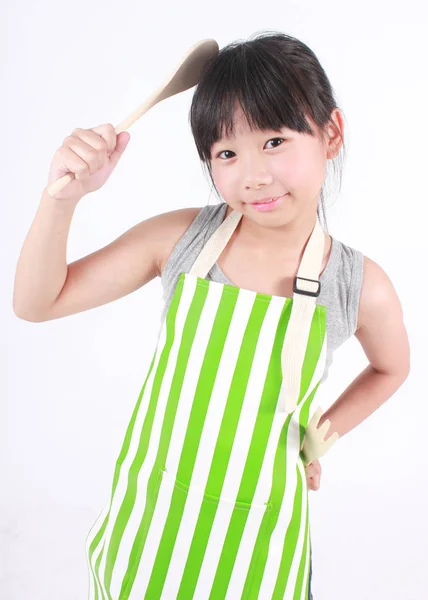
pixel 176 224
pixel 189 227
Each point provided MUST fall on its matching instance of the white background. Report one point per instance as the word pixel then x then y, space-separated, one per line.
pixel 68 386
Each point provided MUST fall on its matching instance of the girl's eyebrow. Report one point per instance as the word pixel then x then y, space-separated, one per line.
pixel 229 140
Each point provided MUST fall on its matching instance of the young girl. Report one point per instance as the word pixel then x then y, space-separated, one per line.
pixel 209 495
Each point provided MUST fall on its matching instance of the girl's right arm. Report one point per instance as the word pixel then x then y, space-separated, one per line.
pixel 46 287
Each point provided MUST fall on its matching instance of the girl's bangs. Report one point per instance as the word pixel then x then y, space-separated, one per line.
pixel 269 101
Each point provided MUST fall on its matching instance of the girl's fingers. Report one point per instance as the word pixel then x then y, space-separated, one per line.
pixel 313 475
pixel 314 468
pixel 314 483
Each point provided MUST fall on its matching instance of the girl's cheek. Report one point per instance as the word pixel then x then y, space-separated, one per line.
pixel 226 183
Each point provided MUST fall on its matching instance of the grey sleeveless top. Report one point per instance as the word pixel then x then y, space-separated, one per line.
pixel 340 281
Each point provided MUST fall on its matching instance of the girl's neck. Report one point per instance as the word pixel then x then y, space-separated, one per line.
pixel 287 240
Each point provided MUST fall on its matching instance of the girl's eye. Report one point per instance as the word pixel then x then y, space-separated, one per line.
pixel 220 153
pixel 281 139
pixel 271 140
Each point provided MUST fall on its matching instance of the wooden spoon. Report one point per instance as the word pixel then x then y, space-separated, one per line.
pixel 186 75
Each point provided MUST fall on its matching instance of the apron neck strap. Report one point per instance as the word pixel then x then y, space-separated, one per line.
pixel 215 245
pixel 307 280
pixel 306 288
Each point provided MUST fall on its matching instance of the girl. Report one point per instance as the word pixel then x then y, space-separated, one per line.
pixel 209 494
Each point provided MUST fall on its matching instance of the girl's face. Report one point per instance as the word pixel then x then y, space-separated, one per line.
pixel 265 164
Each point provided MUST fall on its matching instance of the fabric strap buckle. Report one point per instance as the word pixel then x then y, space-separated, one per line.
pixel 307 292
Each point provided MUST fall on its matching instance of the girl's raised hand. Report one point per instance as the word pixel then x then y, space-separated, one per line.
pixel 91 154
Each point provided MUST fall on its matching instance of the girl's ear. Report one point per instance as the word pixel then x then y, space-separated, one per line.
pixel 334 133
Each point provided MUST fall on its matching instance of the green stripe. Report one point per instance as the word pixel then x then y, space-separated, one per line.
pixel 206 381
pixel 309 560
pixel 260 553
pixel 290 542
pixel 303 563
pixel 218 469
pixel 226 438
pixel 128 502
pixel 119 463
pixel 313 349
pixel 189 332
pixel 262 430
pixel 261 549
pixel 94 544
pixel 312 356
pixel 97 567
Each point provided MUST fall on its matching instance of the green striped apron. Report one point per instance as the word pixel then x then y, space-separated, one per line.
pixel 209 498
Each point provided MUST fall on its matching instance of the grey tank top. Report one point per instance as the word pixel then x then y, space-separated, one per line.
pixel 340 281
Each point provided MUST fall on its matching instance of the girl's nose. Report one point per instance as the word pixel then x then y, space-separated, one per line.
pixel 256 177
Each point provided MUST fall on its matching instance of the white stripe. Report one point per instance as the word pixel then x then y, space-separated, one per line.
pixel 89 539
pixel 292 578
pixel 98 580
pixel 237 581
pixel 205 452
pixel 206 449
pixel 241 444
pixel 277 538
pixel 133 524
pixel 185 403
pixel 122 482
pixel 306 573
pixel 286 509
pixel 262 492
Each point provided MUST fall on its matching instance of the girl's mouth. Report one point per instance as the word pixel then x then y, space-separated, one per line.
pixel 264 206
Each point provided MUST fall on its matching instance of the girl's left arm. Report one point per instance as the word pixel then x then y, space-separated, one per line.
pixel 383 337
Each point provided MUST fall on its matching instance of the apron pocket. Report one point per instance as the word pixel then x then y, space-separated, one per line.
pixel 198 493
pixel 233 533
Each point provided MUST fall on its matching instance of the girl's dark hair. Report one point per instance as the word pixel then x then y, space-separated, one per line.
pixel 277 81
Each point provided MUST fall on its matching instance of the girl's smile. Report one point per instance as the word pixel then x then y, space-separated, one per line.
pixel 266 206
